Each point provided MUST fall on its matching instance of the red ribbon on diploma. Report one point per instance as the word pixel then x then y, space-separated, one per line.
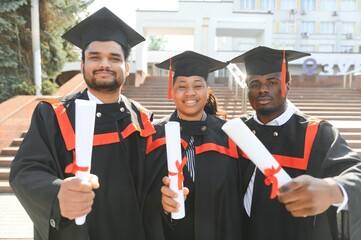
pixel 271 179
pixel 179 172
pixel 73 167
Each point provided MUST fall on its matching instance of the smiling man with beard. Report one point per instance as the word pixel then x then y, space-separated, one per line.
pixel 326 172
pixel 42 173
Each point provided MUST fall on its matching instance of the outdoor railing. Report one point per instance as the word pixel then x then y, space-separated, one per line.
pixel 237 78
pixel 349 76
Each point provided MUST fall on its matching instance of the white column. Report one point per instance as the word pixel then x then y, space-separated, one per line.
pixel 205 40
pixel 35 32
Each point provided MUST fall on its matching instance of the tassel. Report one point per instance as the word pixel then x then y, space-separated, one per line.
pixel 170 80
pixel 283 81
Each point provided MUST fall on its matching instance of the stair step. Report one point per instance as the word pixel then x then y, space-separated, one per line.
pixel 343 115
pixel 357 150
pixel 17 142
pixel 354 143
pixel 5 161
pixel 9 151
pixel 227 98
pixel 231 104
pixel 4 173
pixel 351 135
pixel 5 187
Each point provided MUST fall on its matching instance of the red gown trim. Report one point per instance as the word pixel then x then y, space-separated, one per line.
pixel 230 151
pixel 295 162
pixel 68 133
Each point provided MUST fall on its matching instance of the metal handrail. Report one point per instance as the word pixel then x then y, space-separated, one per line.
pixel 239 78
pixel 350 74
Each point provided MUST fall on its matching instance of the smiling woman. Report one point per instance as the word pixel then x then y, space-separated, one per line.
pixel 211 170
pixel 190 77
pixel 190 97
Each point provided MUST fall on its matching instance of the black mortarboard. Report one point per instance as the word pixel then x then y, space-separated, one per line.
pixel 190 63
pixel 103 25
pixel 263 60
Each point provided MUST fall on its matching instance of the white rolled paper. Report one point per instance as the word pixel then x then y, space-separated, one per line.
pixel 174 159
pixel 84 134
pixel 238 131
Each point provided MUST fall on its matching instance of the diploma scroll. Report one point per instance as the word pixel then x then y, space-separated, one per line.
pixel 175 165
pixel 84 134
pixel 238 131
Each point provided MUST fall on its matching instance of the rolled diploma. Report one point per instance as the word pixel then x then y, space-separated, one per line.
pixel 174 154
pixel 238 131
pixel 84 134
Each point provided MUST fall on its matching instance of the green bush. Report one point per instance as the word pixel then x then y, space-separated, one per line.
pixel 16 54
pixel 48 87
pixel 24 88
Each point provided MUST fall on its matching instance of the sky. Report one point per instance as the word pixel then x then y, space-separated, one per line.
pixel 125 9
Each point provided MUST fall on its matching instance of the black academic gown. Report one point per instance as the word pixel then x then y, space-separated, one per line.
pixel 329 156
pixel 213 206
pixel 39 166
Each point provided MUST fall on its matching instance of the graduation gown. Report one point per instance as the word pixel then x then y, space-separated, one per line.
pixel 327 156
pixel 213 206
pixel 117 160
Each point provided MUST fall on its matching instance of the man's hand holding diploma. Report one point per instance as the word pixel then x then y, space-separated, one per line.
pixel 76 196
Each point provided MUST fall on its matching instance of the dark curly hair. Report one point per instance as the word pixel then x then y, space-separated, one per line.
pixel 211 106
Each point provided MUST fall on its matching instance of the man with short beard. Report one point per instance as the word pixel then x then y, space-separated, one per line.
pixel 326 172
pixel 42 173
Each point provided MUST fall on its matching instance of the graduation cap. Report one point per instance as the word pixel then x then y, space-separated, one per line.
pixel 188 64
pixel 263 60
pixel 102 25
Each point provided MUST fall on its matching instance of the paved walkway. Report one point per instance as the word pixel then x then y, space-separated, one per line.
pixel 14 222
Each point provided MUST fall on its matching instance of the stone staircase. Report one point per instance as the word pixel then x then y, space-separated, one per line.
pixel 6 157
pixel 15 120
pixel 342 107
pixel 328 103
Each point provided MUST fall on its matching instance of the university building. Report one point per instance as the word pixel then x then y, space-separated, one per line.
pixel 328 29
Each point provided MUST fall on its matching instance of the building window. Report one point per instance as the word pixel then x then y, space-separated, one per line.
pixel 308 5
pixel 244 46
pixel 348 27
pixel 346 49
pixel 267 4
pixel 224 43
pixel 307 48
pixel 308 27
pixel 286 47
pixel 327 48
pixel 327 5
pixel 348 5
pixel 247 4
pixel 238 44
pixel 287 4
pixel 287 27
pixel 327 27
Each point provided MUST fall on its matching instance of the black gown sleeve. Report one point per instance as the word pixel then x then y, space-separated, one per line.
pixel 36 174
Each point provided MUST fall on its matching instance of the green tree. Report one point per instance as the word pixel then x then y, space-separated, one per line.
pixel 16 60
pixel 156 43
